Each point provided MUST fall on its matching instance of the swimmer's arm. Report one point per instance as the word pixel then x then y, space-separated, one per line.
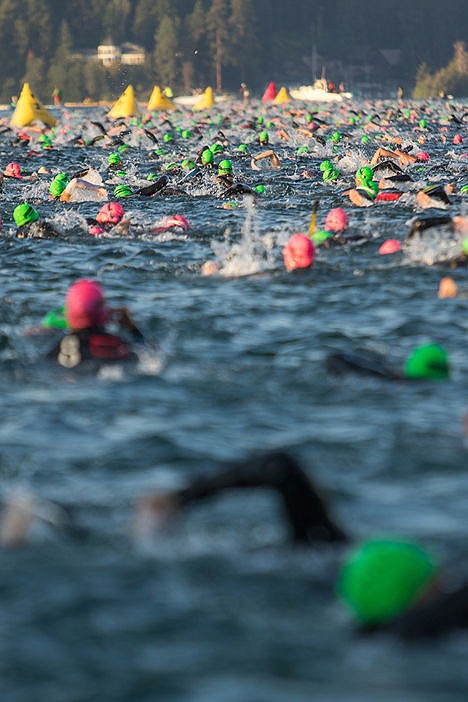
pixel 305 510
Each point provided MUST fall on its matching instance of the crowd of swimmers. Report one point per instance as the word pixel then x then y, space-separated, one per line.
pixel 388 584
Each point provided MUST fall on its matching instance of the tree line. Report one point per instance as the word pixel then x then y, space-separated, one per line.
pixel 193 43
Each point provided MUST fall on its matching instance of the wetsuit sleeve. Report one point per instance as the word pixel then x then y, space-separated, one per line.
pixel 305 509
pixel 445 613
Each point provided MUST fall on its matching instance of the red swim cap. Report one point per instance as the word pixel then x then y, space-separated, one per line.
pixel 110 213
pixel 179 220
pixel 336 220
pixel 457 139
pixel 84 305
pixel 423 156
pixel 13 170
pixel 299 252
pixel 390 246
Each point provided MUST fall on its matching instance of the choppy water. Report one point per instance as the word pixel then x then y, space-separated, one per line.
pixel 219 608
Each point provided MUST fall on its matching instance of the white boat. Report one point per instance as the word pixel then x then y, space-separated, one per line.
pixel 191 100
pixel 318 92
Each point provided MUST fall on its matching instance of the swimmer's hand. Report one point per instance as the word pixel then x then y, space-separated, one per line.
pixel 154 513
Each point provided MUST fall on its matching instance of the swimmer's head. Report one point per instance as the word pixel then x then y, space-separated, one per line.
pixel 85 305
pixel 382 579
pixel 299 252
pixel 186 134
pixel 428 361
pixel 263 137
pixel 188 163
pixel 207 156
pixel 122 191
pixel 423 156
pixel 364 174
pixel 110 213
pixel 243 148
pixel 167 138
pixel 58 185
pixel 216 148
pixel 458 139
pixel 13 170
pixel 326 166
pixel 336 220
pixel 25 214
pixel 225 167
pixel 114 159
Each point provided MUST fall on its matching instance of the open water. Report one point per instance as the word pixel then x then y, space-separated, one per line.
pixel 220 607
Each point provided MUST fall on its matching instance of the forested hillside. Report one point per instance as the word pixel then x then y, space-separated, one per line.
pixel 193 43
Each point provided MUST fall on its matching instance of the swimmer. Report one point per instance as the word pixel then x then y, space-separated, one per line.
pixel 299 252
pixel 426 362
pixel 30 226
pixel 88 340
pixel 84 186
pixel 389 585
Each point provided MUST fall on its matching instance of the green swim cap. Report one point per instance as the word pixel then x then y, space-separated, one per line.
pixel 225 167
pixel 352 120
pixel 186 134
pixel 422 123
pixel 259 189
pixel 122 191
pixel 326 165
pixel 365 139
pixel 335 137
pixel 188 163
pixel 207 156
pixel 58 184
pixel 302 150
pixel 243 148
pixel 121 174
pixel 383 578
pixel 152 176
pixel 260 119
pixel 263 137
pixel 122 148
pixel 330 174
pixel 321 236
pixel 114 159
pixel 168 137
pixel 370 187
pixel 55 319
pixel 309 118
pixel 216 148
pixel 159 152
pixel 171 166
pixel 428 361
pixel 464 189
pixel 270 125
pixel 25 214
pixel 364 174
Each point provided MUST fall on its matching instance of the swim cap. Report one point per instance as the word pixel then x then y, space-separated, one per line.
pixel 168 137
pixel 320 237
pixel 457 139
pixel 302 150
pixel 259 188
pixel 335 137
pixel 263 137
pixel 58 184
pixel 464 189
pixel 186 134
pixel 46 142
pixel 55 319
pixel 216 148
pixel 299 252
pixel 428 361
pixel 114 159
pixel 122 148
pixel 336 220
pixel 171 166
pixel 365 139
pixel 422 123
pixel 370 187
pixel 364 174
pixel 423 156
pixel 25 214
pixel 260 119
pixel 122 191
pixel 13 170
pixel 243 148
pixel 225 167
pixel 330 174
pixel 326 166
pixel 465 246
pixel 152 176
pixel 188 163
pixel 207 156
pixel 383 578
pixel 110 213
pixel 84 305
pixel 390 246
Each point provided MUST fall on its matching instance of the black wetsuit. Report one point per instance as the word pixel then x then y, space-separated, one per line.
pixel 88 345
pixel 37 230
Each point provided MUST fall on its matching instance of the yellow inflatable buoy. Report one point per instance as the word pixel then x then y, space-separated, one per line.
pixel 158 101
pixel 125 106
pixel 206 100
pixel 29 109
pixel 282 97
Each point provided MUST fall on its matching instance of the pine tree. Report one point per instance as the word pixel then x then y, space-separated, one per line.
pixel 165 53
pixel 217 24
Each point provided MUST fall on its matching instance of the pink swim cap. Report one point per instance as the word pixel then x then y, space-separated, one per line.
pixel 110 213
pixel 457 139
pixel 423 156
pixel 390 246
pixel 179 220
pixel 336 220
pixel 84 305
pixel 299 252
pixel 95 230
pixel 13 170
